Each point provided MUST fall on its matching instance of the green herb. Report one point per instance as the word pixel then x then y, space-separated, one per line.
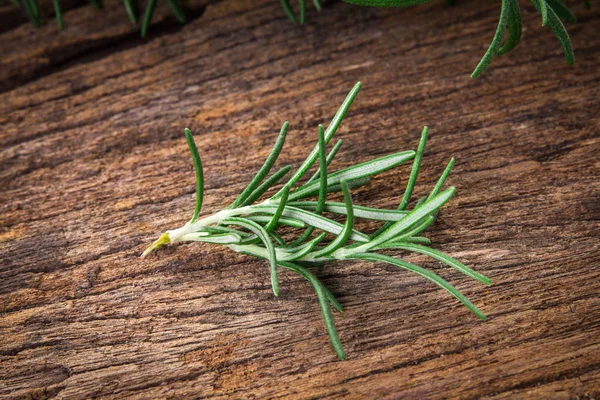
pixel 287 7
pixel 252 228
pixel 552 12
pixel 175 8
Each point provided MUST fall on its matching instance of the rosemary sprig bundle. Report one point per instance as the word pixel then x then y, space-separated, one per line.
pixel 252 228
pixel 552 11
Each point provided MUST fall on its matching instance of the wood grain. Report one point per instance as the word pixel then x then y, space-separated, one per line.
pixel 93 166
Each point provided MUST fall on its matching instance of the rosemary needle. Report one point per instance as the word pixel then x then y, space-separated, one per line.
pixel 148 16
pixel 130 11
pixel 58 12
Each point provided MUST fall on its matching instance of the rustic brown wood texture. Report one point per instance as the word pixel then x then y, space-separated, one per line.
pixel 93 166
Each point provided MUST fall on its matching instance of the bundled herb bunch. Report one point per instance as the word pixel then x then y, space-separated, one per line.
pixel 552 12
pixel 254 228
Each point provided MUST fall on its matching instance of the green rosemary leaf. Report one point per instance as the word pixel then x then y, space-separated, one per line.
pixel 318 221
pixel 251 240
pixel 148 16
pixel 515 27
pixel 322 223
pixel 334 302
pixel 543 9
pixel 353 184
pixel 295 249
pixel 408 235
pixel 278 239
pixel 318 6
pixel 224 238
pixel 287 7
pixel 218 229
pixel 421 201
pixel 302 10
pixel 424 273
pixel 375 214
pixel 442 179
pixel 492 51
pixel 267 184
pixel 274 222
pixel 329 132
pixel 323 302
pixel 587 4
pixel 370 168
pixel 266 219
pixel 330 157
pixel 177 10
pixel 31 10
pixel 363 170
pixel 411 219
pixel 264 237
pixel 412 179
pixel 562 10
pixel 58 12
pixel 343 237
pixel 418 240
pixel 295 266
pixel 130 11
pixel 322 171
pixel 418 228
pixel 199 173
pixel 264 170
pixel 559 30
pixel 446 259
pixel 322 184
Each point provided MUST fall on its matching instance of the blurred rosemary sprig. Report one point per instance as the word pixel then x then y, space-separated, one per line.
pixel 252 228
pixel 552 12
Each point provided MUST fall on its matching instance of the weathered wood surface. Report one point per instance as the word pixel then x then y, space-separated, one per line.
pixel 93 166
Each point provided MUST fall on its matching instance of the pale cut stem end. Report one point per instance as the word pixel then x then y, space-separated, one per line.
pixel 158 243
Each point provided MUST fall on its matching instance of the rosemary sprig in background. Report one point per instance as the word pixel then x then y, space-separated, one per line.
pixel 254 228
pixel 553 12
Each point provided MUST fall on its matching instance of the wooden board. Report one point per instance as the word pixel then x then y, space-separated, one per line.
pixel 93 166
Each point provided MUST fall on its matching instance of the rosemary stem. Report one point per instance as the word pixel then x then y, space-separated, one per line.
pixel 179 234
